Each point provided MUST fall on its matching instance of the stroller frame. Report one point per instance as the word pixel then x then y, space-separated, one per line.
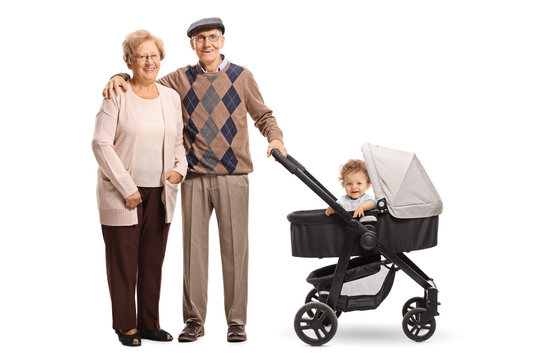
pixel 419 312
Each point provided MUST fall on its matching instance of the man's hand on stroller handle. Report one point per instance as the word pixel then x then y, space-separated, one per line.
pixel 276 144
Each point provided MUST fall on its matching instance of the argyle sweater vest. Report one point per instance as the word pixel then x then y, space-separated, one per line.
pixel 214 110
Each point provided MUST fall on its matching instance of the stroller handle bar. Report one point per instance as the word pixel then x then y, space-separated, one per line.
pixel 288 161
pixel 300 171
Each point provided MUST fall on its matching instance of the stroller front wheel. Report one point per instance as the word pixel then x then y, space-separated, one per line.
pixel 315 323
pixel 415 327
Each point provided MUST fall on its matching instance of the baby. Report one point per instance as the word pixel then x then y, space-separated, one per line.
pixel 355 179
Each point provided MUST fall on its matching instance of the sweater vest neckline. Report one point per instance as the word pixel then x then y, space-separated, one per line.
pixel 198 71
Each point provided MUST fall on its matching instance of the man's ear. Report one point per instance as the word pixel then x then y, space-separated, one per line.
pixel 192 44
pixel 221 42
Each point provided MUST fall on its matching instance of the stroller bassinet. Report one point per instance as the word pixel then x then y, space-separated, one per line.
pixel 313 234
pixel 408 201
pixel 405 219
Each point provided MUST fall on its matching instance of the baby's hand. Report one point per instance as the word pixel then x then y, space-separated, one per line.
pixel 329 211
pixel 359 212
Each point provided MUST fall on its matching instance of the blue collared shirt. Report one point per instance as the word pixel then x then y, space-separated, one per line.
pixel 221 67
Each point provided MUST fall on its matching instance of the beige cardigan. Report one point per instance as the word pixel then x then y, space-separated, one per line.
pixel 114 142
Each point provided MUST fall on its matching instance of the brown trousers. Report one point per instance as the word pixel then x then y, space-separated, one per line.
pixel 134 257
pixel 229 196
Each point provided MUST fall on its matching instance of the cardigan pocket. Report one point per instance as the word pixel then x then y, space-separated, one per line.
pixel 108 196
pixel 168 197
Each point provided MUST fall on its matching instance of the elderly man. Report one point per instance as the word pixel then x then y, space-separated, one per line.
pixel 216 97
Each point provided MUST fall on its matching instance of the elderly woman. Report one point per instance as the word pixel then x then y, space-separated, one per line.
pixel 139 148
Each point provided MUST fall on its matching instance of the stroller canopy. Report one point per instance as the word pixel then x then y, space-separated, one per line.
pixel 398 176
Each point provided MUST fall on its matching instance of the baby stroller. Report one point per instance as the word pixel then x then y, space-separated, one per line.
pixel 405 219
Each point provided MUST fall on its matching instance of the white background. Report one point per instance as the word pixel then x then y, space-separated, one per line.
pixel 457 82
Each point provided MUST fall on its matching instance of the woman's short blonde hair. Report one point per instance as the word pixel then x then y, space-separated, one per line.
pixel 133 40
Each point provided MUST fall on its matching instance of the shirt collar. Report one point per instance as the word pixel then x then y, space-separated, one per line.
pixel 358 198
pixel 220 67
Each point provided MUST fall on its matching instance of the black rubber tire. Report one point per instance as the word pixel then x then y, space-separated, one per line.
pixel 413 303
pixel 413 328
pixel 313 296
pixel 318 320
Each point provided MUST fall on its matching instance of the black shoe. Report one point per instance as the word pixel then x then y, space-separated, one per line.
pixel 129 340
pixel 156 335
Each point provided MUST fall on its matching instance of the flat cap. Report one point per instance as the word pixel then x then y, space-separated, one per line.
pixel 213 22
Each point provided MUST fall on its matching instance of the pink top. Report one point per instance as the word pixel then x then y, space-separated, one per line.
pixel 115 144
pixel 151 128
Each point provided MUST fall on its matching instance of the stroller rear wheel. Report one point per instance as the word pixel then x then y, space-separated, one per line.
pixel 312 296
pixel 415 327
pixel 413 303
pixel 315 323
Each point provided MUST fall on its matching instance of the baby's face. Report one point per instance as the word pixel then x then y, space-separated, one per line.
pixel 356 184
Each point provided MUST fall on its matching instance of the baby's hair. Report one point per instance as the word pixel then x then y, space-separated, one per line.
pixel 353 166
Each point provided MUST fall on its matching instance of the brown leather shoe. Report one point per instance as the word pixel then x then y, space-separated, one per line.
pixel 236 333
pixel 191 332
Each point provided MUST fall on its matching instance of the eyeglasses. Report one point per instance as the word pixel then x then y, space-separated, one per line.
pixel 144 58
pixel 200 38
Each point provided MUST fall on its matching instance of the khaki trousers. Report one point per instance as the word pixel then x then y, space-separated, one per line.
pixel 229 196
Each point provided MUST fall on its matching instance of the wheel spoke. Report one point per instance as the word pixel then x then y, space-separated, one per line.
pixel 325 319
pixel 324 331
